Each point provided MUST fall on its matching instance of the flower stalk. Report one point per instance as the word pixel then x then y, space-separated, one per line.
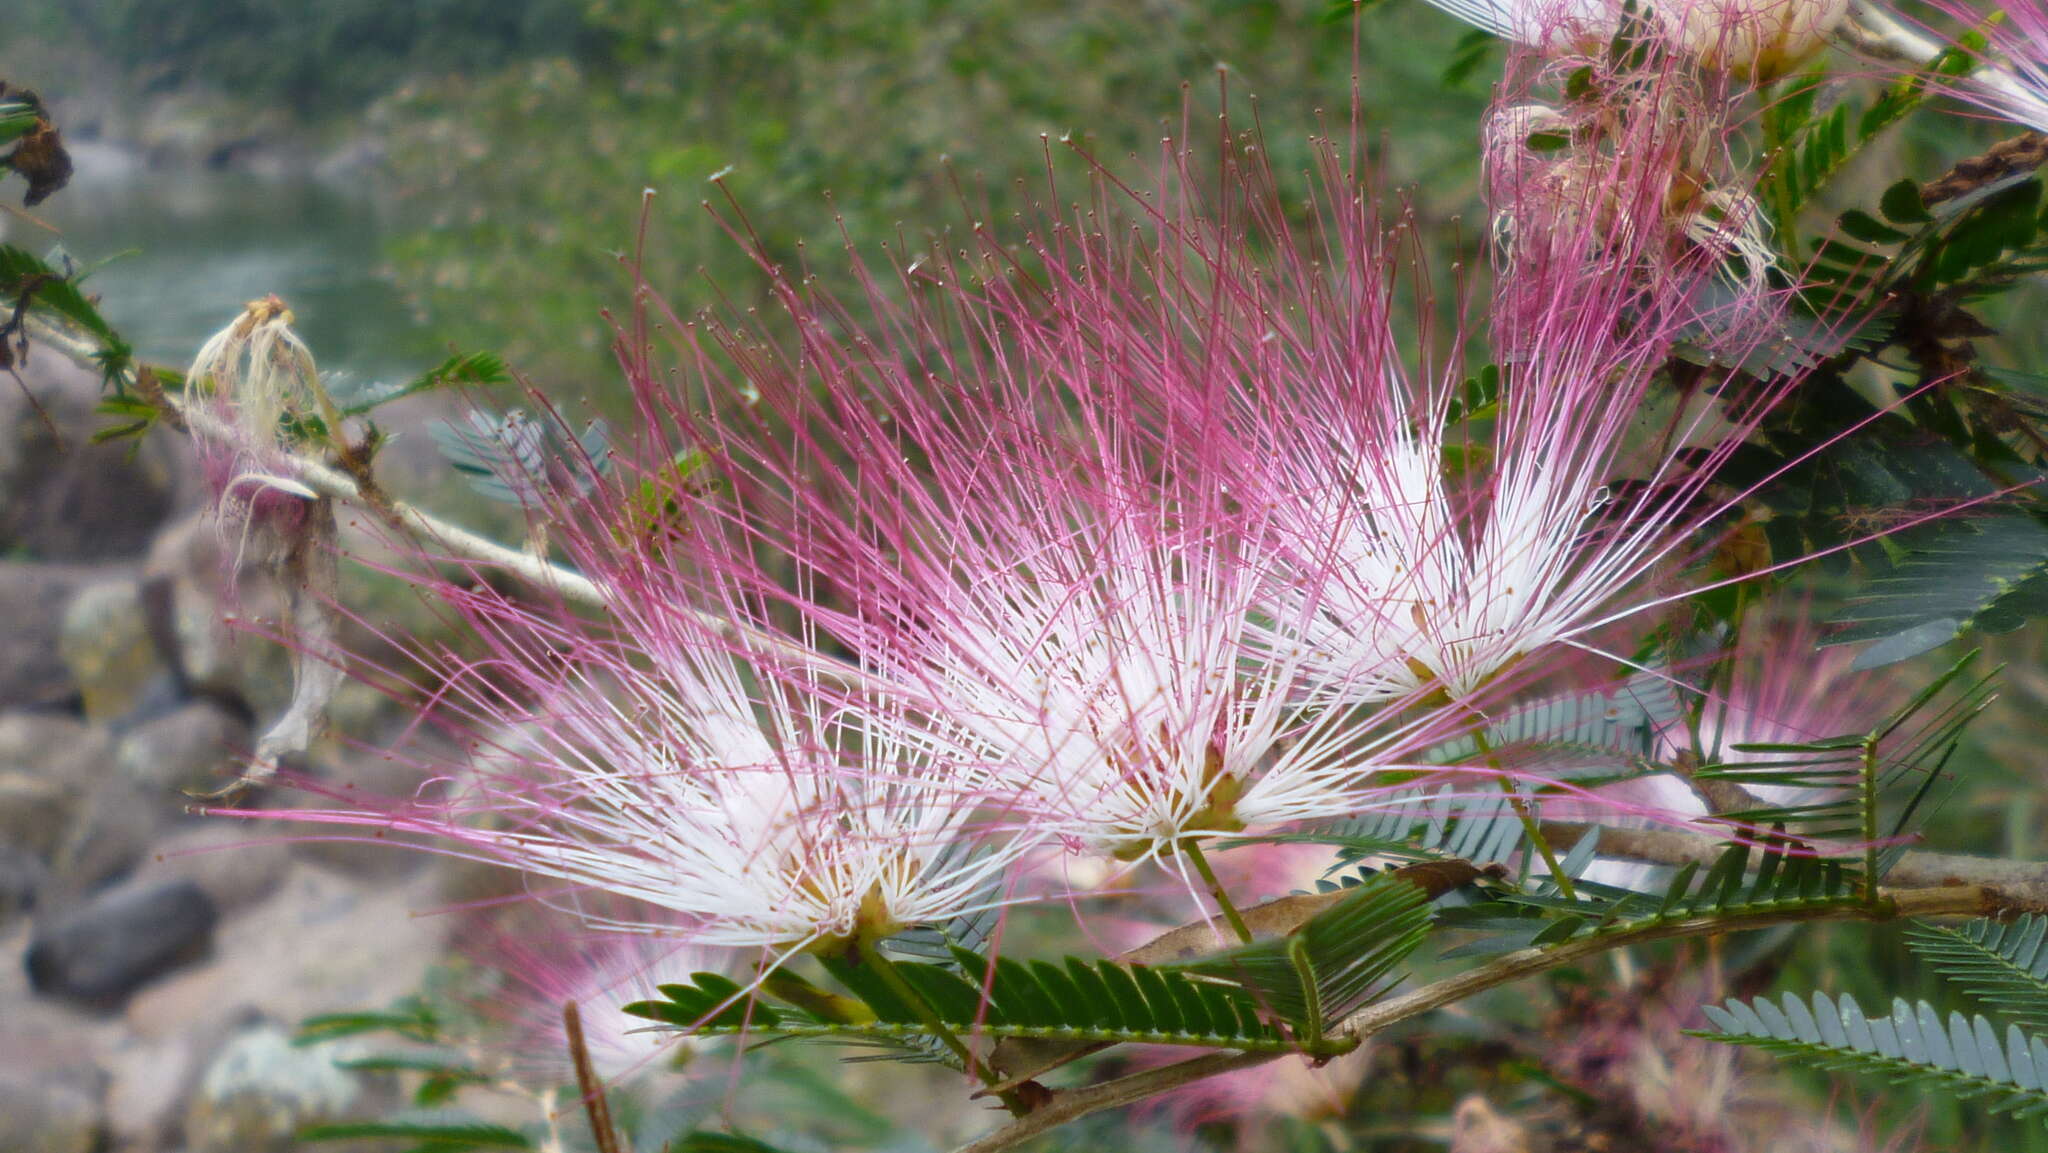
pixel 869 953
pixel 1193 848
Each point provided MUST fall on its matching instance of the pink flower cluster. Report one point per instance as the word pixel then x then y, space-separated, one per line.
pixel 1143 533
pixel 1160 525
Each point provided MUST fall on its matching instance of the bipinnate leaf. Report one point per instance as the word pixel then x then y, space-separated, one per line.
pixel 1962 1056
pixel 430 1133
pixel 1340 959
pixel 2004 964
pixel 1984 574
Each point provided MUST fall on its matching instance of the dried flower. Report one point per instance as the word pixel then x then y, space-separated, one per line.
pixel 1755 40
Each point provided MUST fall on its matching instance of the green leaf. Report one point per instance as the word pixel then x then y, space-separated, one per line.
pixel 1913 1047
pixel 515 459
pixel 16 119
pixel 1602 732
pixel 1477 399
pixel 439 1066
pixel 22 271
pixel 1547 917
pixel 1902 204
pixel 410 1017
pixel 1985 574
pixel 1448 823
pixel 1076 1000
pixel 1862 226
pixel 1338 960
pixel 441 1136
pixel 471 370
pixel 709 1002
pixel 2005 965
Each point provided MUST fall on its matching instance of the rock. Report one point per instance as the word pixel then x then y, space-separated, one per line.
pixel 32 599
pixel 34 811
pixel 196 747
pixel 236 863
pixel 49 1114
pixel 49 765
pixel 148 1084
pixel 22 876
pixel 217 659
pixel 63 498
pixel 105 950
pixel 56 747
pixel 260 1090
pixel 106 645
pixel 324 942
pixel 41 1035
pixel 110 835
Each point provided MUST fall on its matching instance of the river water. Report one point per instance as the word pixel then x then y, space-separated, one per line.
pixel 185 250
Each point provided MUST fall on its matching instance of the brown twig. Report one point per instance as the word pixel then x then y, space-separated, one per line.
pixel 1068 1105
pixel 2022 153
pixel 2012 886
pixel 595 1106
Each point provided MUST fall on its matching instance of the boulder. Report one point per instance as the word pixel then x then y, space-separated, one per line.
pixel 106 643
pixel 34 812
pixel 22 876
pixel 236 863
pixel 149 1082
pixel 49 765
pixel 195 747
pixel 32 599
pixel 324 942
pixel 260 1090
pixel 111 833
pixel 50 1113
pixel 64 498
pixel 56 747
pixel 106 949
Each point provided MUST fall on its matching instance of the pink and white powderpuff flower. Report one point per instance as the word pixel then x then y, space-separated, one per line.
pixel 1174 505
pixel 1629 170
pixel 1448 549
pixel 1782 689
pixel 1101 649
pixel 1017 513
pixel 2013 82
pixel 651 759
pixel 1287 1087
pixel 1753 39
pixel 547 967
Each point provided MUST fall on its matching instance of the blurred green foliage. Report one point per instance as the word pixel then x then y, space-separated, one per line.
pixel 320 57
pixel 889 120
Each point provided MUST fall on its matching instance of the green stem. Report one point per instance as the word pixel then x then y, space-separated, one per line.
pixel 1530 828
pixel 1230 913
pixel 871 956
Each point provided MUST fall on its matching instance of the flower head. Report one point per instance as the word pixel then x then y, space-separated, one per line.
pixel 2014 82
pixel 552 964
pixel 1455 529
pixel 259 373
pixel 650 759
pixel 1752 39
